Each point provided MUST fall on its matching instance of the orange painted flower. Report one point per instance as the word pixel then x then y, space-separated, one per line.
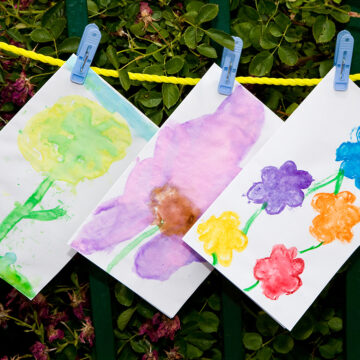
pixel 221 236
pixel 337 217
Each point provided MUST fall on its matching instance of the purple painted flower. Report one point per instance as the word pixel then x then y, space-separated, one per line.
pixel 280 187
pixel 192 164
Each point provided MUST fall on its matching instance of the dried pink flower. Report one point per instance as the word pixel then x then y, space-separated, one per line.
pixel 87 332
pixel 40 351
pixel 150 355
pixel 54 334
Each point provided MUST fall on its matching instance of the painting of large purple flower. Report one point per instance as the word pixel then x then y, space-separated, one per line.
pixel 281 187
pixel 190 166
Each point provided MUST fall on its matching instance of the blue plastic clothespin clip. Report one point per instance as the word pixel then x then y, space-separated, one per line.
pixel 85 53
pixel 229 64
pixel 342 60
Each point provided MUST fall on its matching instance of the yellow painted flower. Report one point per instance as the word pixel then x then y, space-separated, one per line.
pixel 221 236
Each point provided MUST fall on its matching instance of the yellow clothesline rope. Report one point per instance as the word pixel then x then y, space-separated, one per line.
pixel 165 79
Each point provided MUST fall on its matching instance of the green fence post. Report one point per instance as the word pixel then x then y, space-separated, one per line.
pixel 101 314
pixel 353 274
pixel 76 15
pixel 231 309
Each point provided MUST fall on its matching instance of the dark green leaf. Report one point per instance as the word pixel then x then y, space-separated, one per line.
pixel 255 35
pixel 41 35
pixel 209 322
pixel 7 107
pixel 174 65
pixel 243 31
pixel 125 83
pixel 335 324
pixel 287 55
pixel 124 318
pixel 290 109
pixel 194 6
pixel 207 51
pixel 206 13
pixel 170 94
pixel 264 354
pixel 266 325
pixel 214 302
pixel 154 70
pixel 267 41
pixel 261 64
pixel 283 344
pixel 252 341
pixel 221 38
pixel 57 27
pixel 112 56
pixel 323 29
pixel 139 346
pixel 150 99
pixel 282 21
pixel 92 7
pixel 52 14
pixel 190 37
pixel 192 352
pixel 340 16
pixel 145 310
pixel 275 30
pixel 331 349
pixel 138 29
pixel 303 329
pixel 191 16
pixel 15 35
pixel 293 35
pixel 69 45
pixel 201 340
pixel 123 295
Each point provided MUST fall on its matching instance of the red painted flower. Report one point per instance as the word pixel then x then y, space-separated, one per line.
pixel 280 272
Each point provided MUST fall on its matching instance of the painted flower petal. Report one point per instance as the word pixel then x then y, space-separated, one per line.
pixel 159 258
pixel 257 193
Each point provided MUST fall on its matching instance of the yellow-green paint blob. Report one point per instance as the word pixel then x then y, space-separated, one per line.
pixel 74 139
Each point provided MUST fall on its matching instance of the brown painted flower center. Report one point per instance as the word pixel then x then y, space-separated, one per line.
pixel 174 213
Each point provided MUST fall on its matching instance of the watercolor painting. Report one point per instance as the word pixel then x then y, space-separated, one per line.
pixel 278 230
pixel 142 222
pixel 68 143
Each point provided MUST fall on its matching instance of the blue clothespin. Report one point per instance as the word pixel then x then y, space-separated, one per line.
pixel 229 64
pixel 342 60
pixel 85 53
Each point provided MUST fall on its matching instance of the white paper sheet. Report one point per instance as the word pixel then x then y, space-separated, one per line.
pixel 75 141
pixel 136 232
pixel 279 201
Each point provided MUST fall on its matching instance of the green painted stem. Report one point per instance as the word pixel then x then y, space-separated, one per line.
pixel 339 180
pixel 25 211
pixel 310 248
pixel 330 179
pixel 215 260
pixel 130 247
pixel 252 286
pixel 252 218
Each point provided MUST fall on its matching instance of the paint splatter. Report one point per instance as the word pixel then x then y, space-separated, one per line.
pixel 192 164
pixel 74 139
pixel 9 273
pixel 349 155
pixel 279 273
pixel 280 187
pixel 221 236
pixel 337 217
